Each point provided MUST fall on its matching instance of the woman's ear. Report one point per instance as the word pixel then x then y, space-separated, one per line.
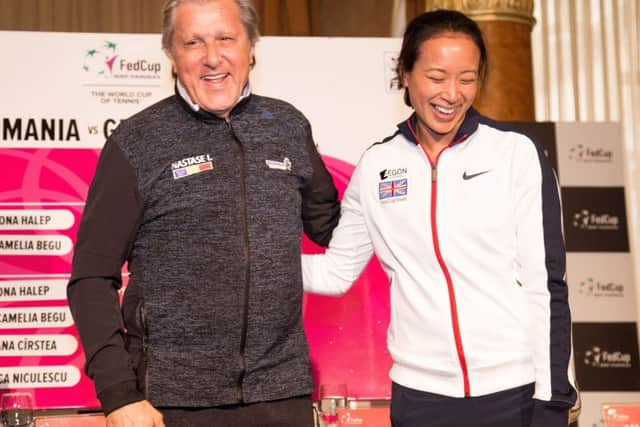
pixel 402 78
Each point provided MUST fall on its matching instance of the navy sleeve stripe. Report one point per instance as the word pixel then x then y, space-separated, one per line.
pixel 560 322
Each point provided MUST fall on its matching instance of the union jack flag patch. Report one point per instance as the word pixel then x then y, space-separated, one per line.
pixel 391 189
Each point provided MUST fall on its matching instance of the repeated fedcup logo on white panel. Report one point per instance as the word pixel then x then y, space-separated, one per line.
pixel 601 287
pixel 590 154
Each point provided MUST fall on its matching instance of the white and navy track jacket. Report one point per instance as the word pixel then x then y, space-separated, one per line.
pixel 472 244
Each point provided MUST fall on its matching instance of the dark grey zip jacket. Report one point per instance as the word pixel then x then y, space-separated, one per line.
pixel 208 214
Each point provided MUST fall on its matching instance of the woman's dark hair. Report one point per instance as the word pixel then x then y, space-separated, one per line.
pixel 432 24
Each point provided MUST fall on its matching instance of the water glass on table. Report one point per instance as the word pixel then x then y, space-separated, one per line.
pixel 16 410
pixel 331 397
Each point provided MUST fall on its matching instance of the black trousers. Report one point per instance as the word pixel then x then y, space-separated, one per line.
pixel 509 408
pixel 294 412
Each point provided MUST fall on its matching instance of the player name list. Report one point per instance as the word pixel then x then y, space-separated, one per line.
pixel 35 321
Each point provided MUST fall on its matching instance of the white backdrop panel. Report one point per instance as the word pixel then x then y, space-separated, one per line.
pixel 601 287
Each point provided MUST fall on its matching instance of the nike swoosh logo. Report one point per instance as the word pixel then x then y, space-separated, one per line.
pixel 466 176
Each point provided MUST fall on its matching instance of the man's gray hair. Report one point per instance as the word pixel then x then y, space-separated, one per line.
pixel 248 16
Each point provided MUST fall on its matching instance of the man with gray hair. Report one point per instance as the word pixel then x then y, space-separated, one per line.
pixel 205 195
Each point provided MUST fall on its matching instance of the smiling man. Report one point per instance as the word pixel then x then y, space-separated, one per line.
pixel 211 52
pixel 205 195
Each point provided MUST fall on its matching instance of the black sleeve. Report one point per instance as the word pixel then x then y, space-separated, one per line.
pixel 320 205
pixel 109 223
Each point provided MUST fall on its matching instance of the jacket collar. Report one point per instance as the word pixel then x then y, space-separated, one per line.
pixel 469 125
pixel 200 113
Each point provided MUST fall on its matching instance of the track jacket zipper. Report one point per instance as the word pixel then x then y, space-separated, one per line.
pixel 443 266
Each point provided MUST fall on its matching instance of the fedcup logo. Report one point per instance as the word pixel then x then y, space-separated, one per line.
pixel 393 83
pixel 591 287
pixel 111 61
pixel 596 357
pixel 587 287
pixel 580 153
pixel 592 357
pixel 587 220
pixel 99 60
pixel 576 152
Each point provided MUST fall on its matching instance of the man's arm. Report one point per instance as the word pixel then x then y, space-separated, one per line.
pixel 349 252
pixel 320 205
pixel 107 229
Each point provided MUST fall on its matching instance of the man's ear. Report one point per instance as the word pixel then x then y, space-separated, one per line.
pixel 170 57
pixel 174 72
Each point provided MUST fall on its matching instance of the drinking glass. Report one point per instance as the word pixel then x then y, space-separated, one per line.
pixel 16 410
pixel 331 397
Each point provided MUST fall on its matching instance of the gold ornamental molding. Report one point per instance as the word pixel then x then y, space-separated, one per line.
pixel 520 11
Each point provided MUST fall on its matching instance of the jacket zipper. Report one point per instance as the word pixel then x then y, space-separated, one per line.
pixel 436 246
pixel 145 348
pixel 245 290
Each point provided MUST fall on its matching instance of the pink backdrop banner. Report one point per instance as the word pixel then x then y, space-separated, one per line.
pixel 33 314
pixel 39 346
pixel 348 334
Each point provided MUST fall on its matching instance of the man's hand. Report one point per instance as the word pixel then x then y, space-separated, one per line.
pixel 138 414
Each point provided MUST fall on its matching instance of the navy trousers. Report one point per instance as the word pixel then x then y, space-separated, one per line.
pixel 294 412
pixel 509 408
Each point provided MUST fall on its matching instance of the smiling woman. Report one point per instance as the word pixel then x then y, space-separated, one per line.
pixel 441 87
pixel 441 66
pixel 468 229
